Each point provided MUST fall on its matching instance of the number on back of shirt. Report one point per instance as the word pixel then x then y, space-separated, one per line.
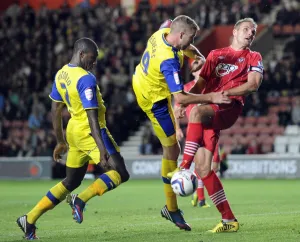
pixel 145 62
pixel 63 86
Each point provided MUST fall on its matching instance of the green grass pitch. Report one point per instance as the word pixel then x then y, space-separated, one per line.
pixel 268 210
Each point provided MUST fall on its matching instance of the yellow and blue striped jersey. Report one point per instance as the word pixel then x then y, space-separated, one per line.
pixel 78 89
pixel 158 73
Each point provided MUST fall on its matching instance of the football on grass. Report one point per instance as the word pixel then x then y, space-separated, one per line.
pixel 184 183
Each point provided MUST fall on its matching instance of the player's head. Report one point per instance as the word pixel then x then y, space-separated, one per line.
pixel 185 30
pixel 85 51
pixel 244 32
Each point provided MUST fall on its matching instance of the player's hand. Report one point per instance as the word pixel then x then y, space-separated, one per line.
pixel 219 98
pixel 225 93
pixel 59 150
pixel 197 64
pixel 179 112
pixel 179 134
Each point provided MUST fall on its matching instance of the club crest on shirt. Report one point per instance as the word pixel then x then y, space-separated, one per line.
pixel 223 69
pixel 88 94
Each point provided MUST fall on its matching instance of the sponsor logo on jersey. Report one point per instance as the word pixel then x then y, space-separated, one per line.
pixel 223 69
pixel 221 57
pixel 88 94
pixel 176 78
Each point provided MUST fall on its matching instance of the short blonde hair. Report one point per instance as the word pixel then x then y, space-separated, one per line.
pixel 183 22
pixel 251 20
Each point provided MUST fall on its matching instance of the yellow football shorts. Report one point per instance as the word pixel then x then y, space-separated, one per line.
pixel 161 116
pixel 83 148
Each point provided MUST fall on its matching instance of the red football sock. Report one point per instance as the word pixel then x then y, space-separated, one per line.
pixel 194 137
pixel 200 188
pixel 215 190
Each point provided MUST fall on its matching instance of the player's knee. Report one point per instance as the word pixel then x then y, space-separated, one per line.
pixel 203 169
pixel 201 114
pixel 195 115
pixel 71 183
pixel 171 152
pixel 120 167
pixel 124 175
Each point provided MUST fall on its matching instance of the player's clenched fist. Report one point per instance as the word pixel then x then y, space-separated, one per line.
pixel 59 151
pixel 179 111
pixel 219 98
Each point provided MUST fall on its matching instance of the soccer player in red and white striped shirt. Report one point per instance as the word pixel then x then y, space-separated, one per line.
pixel 236 71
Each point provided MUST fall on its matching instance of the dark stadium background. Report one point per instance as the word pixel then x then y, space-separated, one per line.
pixel 36 40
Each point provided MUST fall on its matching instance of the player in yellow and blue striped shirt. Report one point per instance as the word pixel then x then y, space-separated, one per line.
pixel 87 138
pixel 156 78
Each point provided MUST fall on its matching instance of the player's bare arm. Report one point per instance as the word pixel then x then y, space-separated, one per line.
pixel 185 98
pixel 179 133
pixel 199 86
pixel 96 132
pixel 61 146
pixel 252 85
pixel 192 52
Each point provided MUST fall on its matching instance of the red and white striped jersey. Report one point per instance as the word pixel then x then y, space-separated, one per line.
pixel 227 68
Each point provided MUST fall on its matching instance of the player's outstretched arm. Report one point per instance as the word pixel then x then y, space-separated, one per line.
pixel 198 87
pixel 252 85
pixel 96 133
pixel 185 98
pixel 179 133
pixel 61 146
pixel 192 52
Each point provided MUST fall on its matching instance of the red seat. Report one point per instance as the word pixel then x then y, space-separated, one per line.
pixel 277 29
pixel 284 108
pixel 239 121
pixel 6 124
pixel 268 130
pixel 284 100
pixel 272 100
pixel 279 130
pixel 297 29
pixel 288 29
pixel 266 148
pixel 227 131
pixel 262 137
pixel 249 137
pixel 238 130
pixel 250 120
pixel 274 109
pixel 295 98
pixel 253 131
pixel 227 148
pixel 274 119
pixel 263 120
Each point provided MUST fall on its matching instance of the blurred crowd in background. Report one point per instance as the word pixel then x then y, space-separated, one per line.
pixel 35 44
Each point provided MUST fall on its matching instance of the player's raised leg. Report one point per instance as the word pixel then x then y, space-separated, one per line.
pixel 199 117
